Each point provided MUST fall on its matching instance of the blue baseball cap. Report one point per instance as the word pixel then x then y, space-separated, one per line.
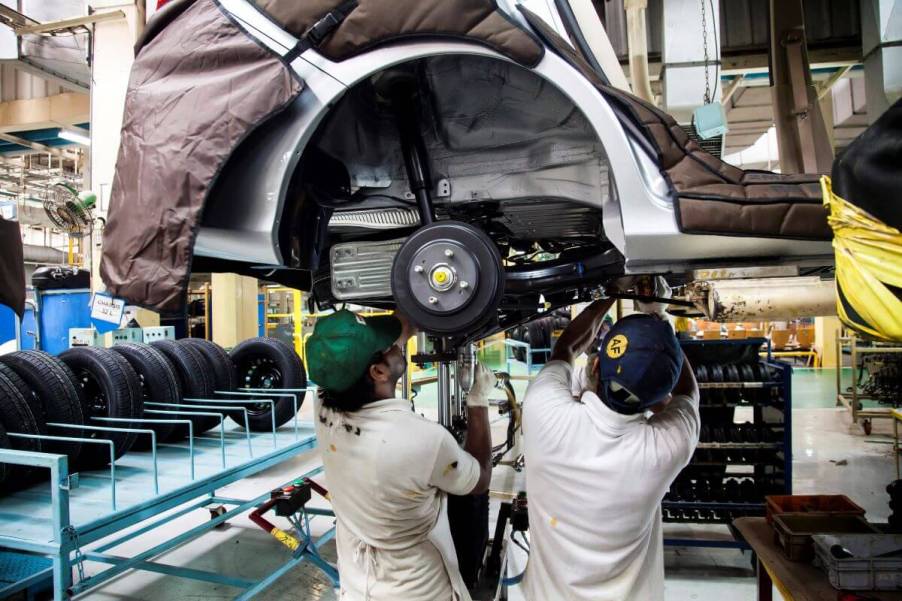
pixel 639 364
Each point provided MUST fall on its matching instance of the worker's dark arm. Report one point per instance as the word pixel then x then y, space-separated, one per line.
pixel 686 384
pixel 479 445
pixel 582 331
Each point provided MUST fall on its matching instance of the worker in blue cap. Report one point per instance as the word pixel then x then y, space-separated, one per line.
pixel 600 464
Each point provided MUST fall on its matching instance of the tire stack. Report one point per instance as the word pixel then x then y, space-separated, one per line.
pixel 736 464
pixel 45 395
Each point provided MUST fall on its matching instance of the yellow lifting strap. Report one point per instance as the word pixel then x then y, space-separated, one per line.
pixel 868 263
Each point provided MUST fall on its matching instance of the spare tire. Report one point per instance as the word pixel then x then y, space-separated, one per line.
pixel 110 388
pixel 195 379
pixel 159 384
pixel 51 383
pixel 268 363
pixel 16 416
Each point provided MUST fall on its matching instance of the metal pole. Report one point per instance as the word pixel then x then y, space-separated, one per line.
pixel 444 393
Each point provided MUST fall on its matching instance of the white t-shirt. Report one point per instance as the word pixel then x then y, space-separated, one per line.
pixel 595 480
pixel 387 470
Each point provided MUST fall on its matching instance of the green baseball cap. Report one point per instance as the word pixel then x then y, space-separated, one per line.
pixel 343 344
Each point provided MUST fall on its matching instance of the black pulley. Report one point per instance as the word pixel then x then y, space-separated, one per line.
pixel 448 278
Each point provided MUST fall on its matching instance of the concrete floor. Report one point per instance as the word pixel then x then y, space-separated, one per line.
pixel 831 455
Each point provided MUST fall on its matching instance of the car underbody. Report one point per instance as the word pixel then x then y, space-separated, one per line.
pixel 473 186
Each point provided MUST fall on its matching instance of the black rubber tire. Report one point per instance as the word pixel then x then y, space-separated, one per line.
pixel 268 363
pixel 159 384
pixel 195 380
pixel 731 373
pixel 16 416
pixel 218 361
pixel 51 383
pixel 110 388
pixel 747 372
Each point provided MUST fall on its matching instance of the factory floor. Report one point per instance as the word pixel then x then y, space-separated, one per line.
pixel 831 455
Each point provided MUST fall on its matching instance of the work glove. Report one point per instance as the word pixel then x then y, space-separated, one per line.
pixel 483 382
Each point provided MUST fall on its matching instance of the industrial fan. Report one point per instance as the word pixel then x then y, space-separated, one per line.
pixel 69 210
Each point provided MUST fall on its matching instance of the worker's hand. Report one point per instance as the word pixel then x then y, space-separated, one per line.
pixel 483 382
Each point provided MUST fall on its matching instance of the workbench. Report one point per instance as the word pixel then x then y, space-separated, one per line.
pixel 795 580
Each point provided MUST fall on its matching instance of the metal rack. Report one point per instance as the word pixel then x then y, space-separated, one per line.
pixel 852 402
pixel 766 462
pixel 53 527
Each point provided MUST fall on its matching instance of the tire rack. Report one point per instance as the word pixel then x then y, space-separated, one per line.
pixel 771 461
pixel 82 516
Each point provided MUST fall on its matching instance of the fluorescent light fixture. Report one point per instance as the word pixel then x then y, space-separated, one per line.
pixel 68 134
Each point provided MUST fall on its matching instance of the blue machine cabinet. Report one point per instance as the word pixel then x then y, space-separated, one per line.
pixel 58 311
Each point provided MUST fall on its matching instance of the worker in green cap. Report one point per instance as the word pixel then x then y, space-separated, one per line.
pixel 388 470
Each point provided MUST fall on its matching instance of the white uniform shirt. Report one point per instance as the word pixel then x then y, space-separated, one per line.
pixel 386 469
pixel 595 480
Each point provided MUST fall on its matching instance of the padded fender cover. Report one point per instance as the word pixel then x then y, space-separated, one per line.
pixel 12 274
pixel 378 22
pixel 198 88
pixel 710 196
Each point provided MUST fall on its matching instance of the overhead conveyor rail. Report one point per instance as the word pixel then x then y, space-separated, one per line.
pixel 83 515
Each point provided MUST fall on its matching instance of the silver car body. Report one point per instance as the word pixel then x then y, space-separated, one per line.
pixel 242 219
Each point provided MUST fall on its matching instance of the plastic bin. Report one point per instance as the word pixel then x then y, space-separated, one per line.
pixel 872 567
pixel 793 531
pixel 830 504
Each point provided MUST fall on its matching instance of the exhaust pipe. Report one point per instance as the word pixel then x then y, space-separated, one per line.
pixel 764 299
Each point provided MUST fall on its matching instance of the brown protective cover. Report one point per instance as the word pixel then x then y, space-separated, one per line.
pixel 196 90
pixel 711 196
pixel 12 268
pixel 376 22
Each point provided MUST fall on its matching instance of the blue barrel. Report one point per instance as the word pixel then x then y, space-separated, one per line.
pixel 8 320
pixel 58 311
pixel 28 333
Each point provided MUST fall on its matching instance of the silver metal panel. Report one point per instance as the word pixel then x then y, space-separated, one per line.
pixel 363 269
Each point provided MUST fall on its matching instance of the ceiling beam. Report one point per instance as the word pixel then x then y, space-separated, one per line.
pixel 730 90
pixel 824 87
pixel 60 110
pixel 68 25
pixel 27 66
pixel 14 18
pixel 33 145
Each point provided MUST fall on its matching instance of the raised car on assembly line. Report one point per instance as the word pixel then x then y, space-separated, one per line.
pixel 457 158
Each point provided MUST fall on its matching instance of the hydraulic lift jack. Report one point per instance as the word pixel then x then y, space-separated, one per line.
pixel 290 502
